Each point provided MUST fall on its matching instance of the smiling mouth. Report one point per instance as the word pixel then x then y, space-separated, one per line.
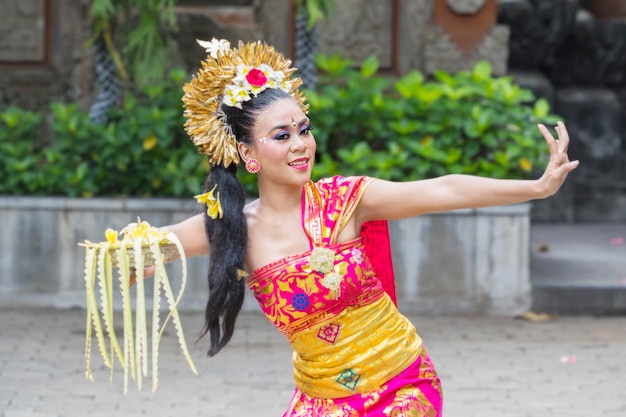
pixel 299 162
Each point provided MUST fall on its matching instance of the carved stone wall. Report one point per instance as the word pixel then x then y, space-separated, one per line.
pixel 550 46
pixel 23 32
pixel 42 54
pixel 393 30
pixel 577 60
pixel 610 9
pixel 441 53
pixel 198 19
pixel 359 29
pixel 463 32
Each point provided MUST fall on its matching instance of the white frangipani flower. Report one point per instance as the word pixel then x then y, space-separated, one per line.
pixel 214 46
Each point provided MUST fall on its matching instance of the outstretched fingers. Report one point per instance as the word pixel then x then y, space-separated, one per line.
pixel 563 142
pixel 554 147
pixel 559 166
pixel 559 146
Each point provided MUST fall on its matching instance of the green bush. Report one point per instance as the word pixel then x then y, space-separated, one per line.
pixel 469 122
pixel 365 124
pixel 143 151
pixel 19 162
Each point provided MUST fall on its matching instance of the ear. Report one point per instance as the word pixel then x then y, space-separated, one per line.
pixel 246 151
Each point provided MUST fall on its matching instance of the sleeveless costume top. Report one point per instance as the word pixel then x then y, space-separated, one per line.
pixel 347 335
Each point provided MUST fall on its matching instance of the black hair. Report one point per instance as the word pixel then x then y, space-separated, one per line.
pixel 228 235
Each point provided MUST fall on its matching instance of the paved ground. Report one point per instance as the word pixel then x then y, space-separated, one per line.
pixel 570 367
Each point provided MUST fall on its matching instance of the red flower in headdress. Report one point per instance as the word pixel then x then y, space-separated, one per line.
pixel 256 77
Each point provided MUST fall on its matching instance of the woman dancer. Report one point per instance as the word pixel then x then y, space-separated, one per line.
pixel 299 248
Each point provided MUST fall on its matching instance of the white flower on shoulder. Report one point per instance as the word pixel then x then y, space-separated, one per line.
pixel 214 46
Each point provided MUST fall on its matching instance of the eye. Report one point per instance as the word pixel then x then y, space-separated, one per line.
pixel 282 135
pixel 306 129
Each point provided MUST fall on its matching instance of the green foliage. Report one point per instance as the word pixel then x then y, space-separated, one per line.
pixel 144 30
pixel 144 151
pixel 316 10
pixel 19 162
pixel 469 122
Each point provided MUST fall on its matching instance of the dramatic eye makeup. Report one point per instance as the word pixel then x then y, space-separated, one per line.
pixel 281 135
pixel 306 128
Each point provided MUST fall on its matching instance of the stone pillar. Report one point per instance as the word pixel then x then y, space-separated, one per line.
pixel 276 23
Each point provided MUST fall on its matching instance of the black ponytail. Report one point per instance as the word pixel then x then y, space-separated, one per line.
pixel 227 238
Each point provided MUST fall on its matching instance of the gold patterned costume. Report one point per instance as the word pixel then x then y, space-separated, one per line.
pixel 354 353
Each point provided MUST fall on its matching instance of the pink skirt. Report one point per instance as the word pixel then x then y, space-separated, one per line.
pixel 416 392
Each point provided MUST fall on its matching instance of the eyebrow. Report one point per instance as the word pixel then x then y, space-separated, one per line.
pixel 286 126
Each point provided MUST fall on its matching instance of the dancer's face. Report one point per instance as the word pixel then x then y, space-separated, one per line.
pixel 282 143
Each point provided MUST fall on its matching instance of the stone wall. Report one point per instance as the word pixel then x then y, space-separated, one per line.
pixel 464 261
pixel 46 57
pixel 468 261
pixel 42 52
pixel 41 261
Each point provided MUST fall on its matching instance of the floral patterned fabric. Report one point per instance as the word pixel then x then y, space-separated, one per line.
pixel 416 392
pixel 354 353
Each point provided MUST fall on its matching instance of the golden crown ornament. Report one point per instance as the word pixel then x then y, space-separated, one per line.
pixel 232 76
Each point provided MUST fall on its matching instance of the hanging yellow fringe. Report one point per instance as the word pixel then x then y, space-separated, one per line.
pixel 141 245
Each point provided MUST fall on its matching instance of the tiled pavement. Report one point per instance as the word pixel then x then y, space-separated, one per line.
pixel 504 367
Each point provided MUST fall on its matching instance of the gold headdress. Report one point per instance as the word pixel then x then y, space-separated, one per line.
pixel 231 77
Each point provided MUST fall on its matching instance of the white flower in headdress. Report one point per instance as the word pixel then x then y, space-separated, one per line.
pixel 214 46
pixel 235 95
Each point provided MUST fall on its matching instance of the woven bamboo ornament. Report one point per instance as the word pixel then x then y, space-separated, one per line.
pixel 231 76
pixel 142 245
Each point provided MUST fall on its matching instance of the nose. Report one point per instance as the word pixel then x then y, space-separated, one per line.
pixel 297 144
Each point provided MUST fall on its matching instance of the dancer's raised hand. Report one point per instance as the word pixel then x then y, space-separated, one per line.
pixel 559 166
